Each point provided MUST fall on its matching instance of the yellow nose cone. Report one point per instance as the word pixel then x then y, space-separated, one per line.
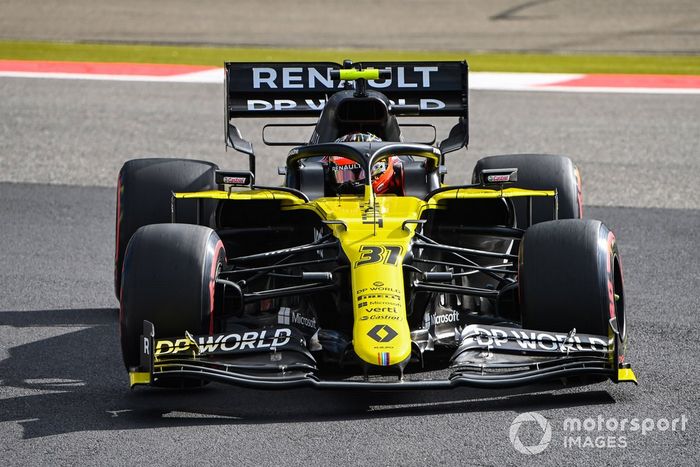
pixel 375 239
pixel 381 335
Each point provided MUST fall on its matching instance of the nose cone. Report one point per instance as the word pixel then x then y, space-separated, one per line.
pixel 381 335
pixel 375 240
pixel 382 345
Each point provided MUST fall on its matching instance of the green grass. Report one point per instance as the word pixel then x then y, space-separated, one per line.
pixel 215 56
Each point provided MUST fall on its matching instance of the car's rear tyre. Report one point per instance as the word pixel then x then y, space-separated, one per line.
pixel 144 192
pixel 540 172
pixel 168 279
pixel 570 276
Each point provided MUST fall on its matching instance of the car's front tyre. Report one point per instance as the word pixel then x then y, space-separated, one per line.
pixel 570 276
pixel 168 279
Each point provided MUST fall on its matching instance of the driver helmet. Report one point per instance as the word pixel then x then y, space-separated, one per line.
pixel 344 170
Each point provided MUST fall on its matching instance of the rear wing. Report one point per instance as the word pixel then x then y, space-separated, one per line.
pixel 301 89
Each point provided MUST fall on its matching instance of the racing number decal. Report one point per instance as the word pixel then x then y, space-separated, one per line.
pixel 370 254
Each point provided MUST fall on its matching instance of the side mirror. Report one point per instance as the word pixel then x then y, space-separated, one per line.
pixel 457 139
pixel 236 141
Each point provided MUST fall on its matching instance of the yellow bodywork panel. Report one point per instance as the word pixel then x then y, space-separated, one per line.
pixel 626 375
pixel 139 377
pixel 486 193
pixel 375 237
pixel 246 195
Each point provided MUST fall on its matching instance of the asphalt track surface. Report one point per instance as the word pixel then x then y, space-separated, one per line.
pixel 63 392
pixel 615 26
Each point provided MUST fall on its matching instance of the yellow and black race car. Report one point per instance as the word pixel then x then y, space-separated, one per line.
pixel 363 270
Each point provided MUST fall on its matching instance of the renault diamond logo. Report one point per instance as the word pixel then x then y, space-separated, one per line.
pixel 382 333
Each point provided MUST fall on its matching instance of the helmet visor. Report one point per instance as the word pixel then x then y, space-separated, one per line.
pixel 349 171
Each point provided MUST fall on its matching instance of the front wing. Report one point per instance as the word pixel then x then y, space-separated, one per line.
pixel 487 357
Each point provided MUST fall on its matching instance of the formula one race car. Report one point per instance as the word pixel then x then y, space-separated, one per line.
pixel 363 270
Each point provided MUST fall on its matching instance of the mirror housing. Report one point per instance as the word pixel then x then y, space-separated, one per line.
pixel 236 141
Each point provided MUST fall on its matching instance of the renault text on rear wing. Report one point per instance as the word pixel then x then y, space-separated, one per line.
pixel 301 89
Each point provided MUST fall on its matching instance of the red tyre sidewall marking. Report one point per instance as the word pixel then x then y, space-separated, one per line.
pixel 520 277
pixel 212 284
pixel 610 254
pixel 122 317
pixel 609 270
pixel 116 250
pixel 118 225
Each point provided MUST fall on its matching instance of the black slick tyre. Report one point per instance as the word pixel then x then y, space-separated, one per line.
pixel 144 190
pixel 570 276
pixel 540 172
pixel 168 279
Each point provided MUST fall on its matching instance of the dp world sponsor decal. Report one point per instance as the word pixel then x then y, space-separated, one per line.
pixel 253 105
pixel 528 340
pixel 223 343
pixel 532 433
